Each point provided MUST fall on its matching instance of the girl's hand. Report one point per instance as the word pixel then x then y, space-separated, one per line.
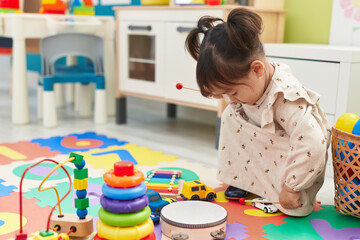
pixel 289 198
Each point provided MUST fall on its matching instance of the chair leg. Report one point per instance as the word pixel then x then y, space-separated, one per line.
pixel 69 93
pixel 77 97
pixel 49 108
pixel 60 95
pixel 100 110
pixel 85 103
pixel 40 102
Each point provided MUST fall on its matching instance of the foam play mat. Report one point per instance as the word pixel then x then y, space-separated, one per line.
pixel 100 153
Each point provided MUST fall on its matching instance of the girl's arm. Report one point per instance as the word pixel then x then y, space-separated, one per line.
pixel 306 157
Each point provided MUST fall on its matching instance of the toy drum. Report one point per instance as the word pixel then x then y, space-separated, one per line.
pixel 193 220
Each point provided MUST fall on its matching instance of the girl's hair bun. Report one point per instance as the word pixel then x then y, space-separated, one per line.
pixel 244 28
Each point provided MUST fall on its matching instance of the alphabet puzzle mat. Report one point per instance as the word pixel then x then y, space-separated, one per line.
pixel 100 153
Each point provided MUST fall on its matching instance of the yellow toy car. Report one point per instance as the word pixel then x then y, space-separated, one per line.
pixel 196 190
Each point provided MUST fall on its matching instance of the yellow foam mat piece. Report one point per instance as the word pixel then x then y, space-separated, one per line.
pixel 105 158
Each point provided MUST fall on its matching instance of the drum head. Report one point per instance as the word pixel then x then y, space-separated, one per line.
pixel 193 214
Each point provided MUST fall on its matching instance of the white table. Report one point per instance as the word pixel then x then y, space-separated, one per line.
pixel 22 26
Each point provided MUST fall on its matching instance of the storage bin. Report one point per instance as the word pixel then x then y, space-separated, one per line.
pixel 346 162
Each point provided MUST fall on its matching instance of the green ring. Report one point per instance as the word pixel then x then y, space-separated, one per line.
pixel 19 171
pixel 124 219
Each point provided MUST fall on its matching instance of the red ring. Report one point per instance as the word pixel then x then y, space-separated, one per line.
pixel 123 181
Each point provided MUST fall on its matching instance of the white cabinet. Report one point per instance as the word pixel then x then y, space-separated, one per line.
pixel 151 54
pixel 332 71
pixel 142 57
pixel 180 66
pixel 153 58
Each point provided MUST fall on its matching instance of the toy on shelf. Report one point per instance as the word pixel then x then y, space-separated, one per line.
pixel 164 181
pixel 63 224
pixel 196 190
pixel 125 213
pixel 82 8
pixel 53 6
pixel 9 6
pixel 193 220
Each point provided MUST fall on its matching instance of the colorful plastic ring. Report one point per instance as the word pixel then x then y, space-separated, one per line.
pixel 123 181
pixel 152 236
pixel 126 219
pixel 124 206
pixel 124 193
pixel 119 233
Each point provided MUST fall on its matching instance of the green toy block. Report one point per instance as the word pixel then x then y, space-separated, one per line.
pixel 44 233
pixel 81 173
pixel 78 158
pixel 81 203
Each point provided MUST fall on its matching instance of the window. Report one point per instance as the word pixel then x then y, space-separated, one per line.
pixel 155 198
pixel 194 189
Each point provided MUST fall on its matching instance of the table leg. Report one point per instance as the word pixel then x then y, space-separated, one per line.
pixel 109 71
pixel 20 104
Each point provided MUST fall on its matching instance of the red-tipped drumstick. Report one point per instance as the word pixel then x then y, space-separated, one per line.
pixel 180 86
pixel 242 201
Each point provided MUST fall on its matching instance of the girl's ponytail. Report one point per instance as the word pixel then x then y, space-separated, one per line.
pixel 192 42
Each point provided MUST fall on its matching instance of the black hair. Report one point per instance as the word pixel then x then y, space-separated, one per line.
pixel 227 49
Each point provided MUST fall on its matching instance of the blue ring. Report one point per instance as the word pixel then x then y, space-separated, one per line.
pixel 124 193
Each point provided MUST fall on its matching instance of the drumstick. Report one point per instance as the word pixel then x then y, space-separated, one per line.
pixel 180 86
pixel 242 201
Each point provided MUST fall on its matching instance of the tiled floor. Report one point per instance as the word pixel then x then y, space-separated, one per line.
pixel 147 126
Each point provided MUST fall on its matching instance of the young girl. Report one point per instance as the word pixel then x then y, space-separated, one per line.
pixel 274 136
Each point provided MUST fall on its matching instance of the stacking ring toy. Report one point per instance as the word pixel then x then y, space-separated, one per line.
pixel 152 236
pixel 124 233
pixel 123 181
pixel 125 219
pixel 124 206
pixel 124 193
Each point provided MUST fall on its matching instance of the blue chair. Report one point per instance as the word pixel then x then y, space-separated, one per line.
pixel 71 44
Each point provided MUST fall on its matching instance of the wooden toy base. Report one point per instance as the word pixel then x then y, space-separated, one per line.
pixel 84 227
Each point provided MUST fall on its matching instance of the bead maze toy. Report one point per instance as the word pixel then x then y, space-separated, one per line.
pixel 60 226
pixel 125 213
pixel 164 182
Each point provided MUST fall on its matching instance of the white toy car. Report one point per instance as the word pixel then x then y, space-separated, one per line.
pixel 266 207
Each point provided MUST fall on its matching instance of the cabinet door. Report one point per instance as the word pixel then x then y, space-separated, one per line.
pixel 321 77
pixel 141 57
pixel 180 66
